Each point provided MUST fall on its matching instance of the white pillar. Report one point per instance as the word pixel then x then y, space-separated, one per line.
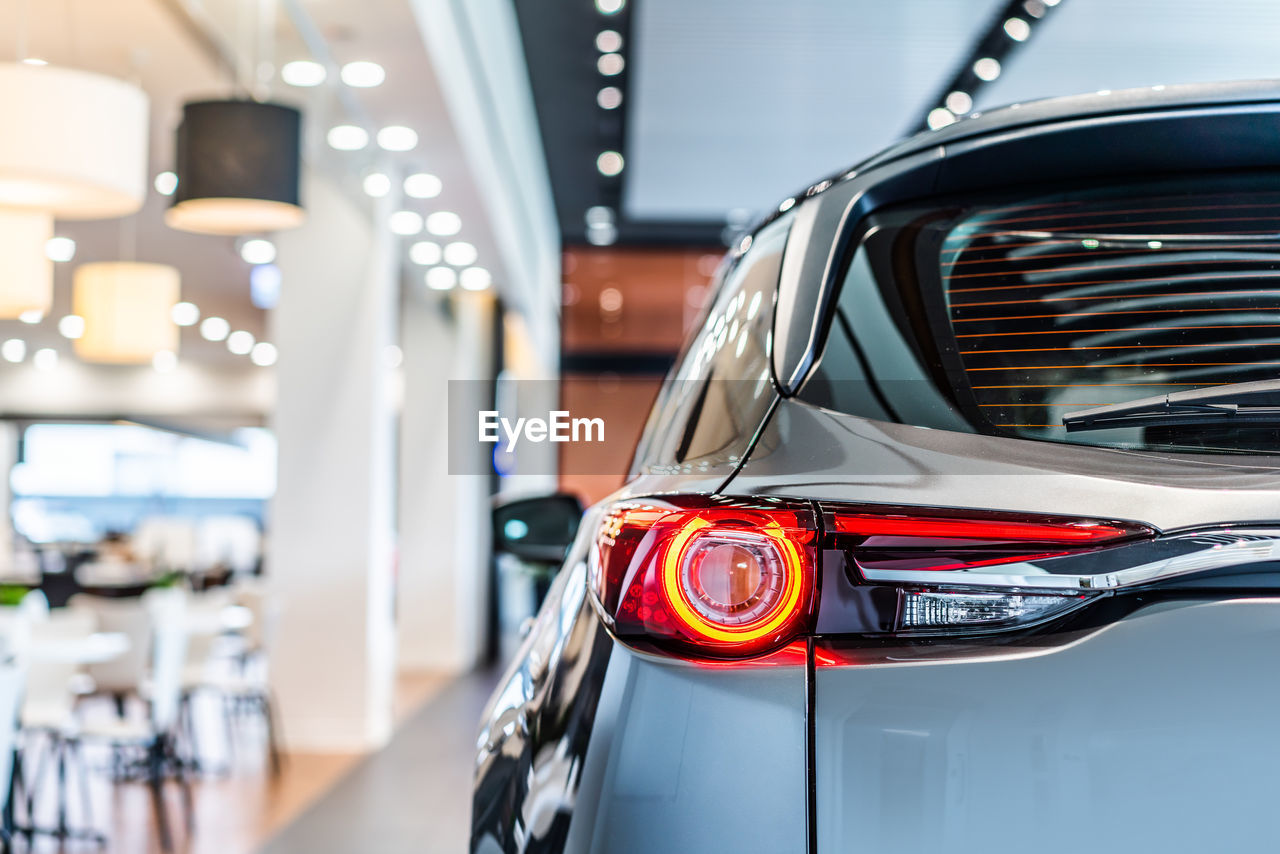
pixel 331 529
pixel 444 518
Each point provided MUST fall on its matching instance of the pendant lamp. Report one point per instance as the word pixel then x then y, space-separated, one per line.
pixel 73 146
pixel 238 168
pixel 127 308
pixel 74 143
pixel 26 273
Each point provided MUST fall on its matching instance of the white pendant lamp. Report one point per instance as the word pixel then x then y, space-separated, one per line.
pixel 73 146
pixel 127 310
pixel 26 273
pixel 74 143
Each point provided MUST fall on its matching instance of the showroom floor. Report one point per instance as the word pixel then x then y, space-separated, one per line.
pixel 412 796
pixel 241 806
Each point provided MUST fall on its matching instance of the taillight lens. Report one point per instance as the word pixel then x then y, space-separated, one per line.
pixel 717 579
pixel 890 541
pixel 953 569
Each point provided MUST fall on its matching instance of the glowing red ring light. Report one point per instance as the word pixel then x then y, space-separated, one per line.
pixel 790 603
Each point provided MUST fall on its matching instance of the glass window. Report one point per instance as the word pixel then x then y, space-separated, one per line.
pixel 1002 317
pixel 720 388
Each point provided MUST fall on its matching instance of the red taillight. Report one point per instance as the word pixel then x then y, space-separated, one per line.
pixel 1067 531
pixel 716 579
pixel 734 578
pixel 938 540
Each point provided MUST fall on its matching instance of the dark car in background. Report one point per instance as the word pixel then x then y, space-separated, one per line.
pixel 955 528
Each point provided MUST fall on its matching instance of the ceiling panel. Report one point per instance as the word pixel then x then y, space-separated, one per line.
pixel 1087 45
pixel 735 104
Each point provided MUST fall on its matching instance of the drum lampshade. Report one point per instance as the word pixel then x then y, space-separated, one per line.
pixel 74 143
pixel 26 273
pixel 126 308
pixel 238 168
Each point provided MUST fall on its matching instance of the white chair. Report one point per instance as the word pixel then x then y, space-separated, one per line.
pixel 12 677
pixel 35 606
pixel 47 714
pixel 156 736
pixel 120 677
pixel 251 690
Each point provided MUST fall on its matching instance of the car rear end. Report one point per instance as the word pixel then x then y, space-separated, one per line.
pixel 867 592
pixel 1030 637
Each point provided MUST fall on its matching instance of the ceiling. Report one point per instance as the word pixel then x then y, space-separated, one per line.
pixel 737 104
pixel 1087 45
pixel 731 105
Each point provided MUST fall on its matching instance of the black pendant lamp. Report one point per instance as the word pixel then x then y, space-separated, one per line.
pixel 238 168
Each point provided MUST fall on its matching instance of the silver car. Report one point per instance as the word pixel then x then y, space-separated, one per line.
pixel 956 527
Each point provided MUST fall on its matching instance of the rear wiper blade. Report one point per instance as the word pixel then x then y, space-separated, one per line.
pixel 1235 403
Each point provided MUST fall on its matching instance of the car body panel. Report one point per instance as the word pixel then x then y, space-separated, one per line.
pixel 809 452
pixel 1154 733
pixel 696 758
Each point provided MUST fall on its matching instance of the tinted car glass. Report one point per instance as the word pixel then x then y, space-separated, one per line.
pixel 1015 312
pixel 720 389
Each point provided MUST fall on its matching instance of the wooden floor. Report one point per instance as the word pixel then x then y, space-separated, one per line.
pixel 236 811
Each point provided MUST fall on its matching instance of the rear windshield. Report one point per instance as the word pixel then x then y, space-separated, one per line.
pixel 1003 316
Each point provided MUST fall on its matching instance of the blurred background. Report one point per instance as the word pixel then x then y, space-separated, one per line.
pixel 245 247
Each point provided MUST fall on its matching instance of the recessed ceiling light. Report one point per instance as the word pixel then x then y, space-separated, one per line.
pixel 460 254
pixel 240 342
pixel 1017 29
pixel 475 279
pixel 608 41
pixel 14 350
pixel 597 215
pixel 60 249
pixel 939 117
pixel 987 69
pixel 31 315
pixel 214 329
pixel 441 278
pixel 164 361
pixel 377 185
pixel 609 163
pixel 166 183
pixel 263 354
pixel 610 64
pixel 609 98
pixel 45 359
pixel 303 72
pixel 348 138
pixel 71 326
pixel 602 235
pixel 185 313
pixel 363 74
pixel 397 138
pixel 422 185
pixel 610 7
pixel 959 102
pixel 444 223
pixel 425 252
pixel 406 223
pixel 258 251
